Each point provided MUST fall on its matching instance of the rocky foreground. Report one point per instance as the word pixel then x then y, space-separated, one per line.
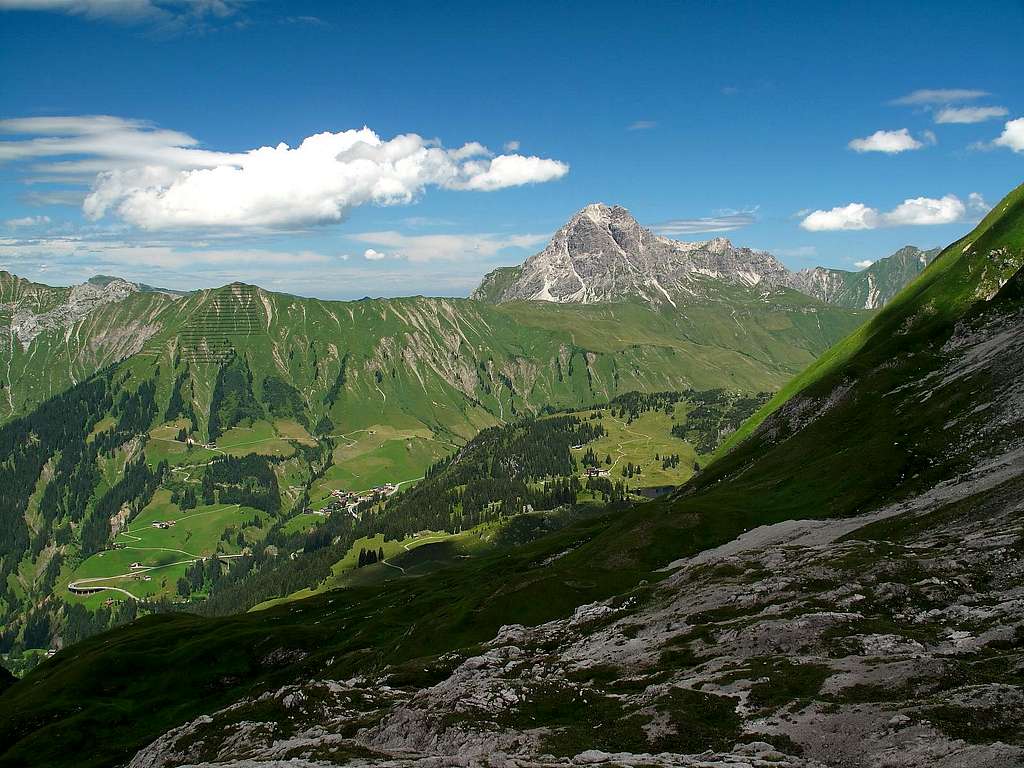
pixel 894 639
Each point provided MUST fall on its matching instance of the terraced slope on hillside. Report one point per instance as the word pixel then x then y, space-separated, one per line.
pixel 883 625
pixel 475 362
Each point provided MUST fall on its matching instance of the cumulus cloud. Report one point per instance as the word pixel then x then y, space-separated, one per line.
pixel 1012 136
pixel 966 115
pixel 511 146
pixel 890 142
pixel 852 216
pixel 28 221
pixel 939 96
pixel 459 247
pixel 505 171
pixel 916 211
pixel 863 264
pixel 977 206
pixel 371 255
pixel 723 221
pixel 157 179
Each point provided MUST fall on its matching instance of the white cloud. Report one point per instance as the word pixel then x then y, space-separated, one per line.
pixel 1012 136
pixel 168 14
pixel 66 260
pixel 916 211
pixel 120 252
pixel 925 210
pixel 28 221
pixel 506 171
pixel 976 205
pixel 724 221
pixel 852 216
pixel 890 142
pixel 642 125
pixel 511 146
pixel 159 179
pixel 371 255
pixel 55 197
pixel 863 264
pixel 939 96
pixel 425 248
pixel 966 115
pixel 108 143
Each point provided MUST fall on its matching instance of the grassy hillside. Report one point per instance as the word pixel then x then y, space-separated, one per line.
pixel 425 354
pixel 970 270
pixel 345 395
pixel 59 357
pixel 869 424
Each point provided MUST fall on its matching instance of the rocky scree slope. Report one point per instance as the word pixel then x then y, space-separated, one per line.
pixel 603 254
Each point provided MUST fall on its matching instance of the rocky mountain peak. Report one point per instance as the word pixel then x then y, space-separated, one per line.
pixel 82 299
pixel 603 254
pixel 719 245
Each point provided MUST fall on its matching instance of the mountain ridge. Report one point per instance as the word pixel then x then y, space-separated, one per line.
pixel 604 254
pixel 57 336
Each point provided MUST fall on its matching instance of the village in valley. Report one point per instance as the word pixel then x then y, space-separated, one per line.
pixel 638 451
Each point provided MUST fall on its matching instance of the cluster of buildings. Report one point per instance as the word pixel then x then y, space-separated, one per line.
pixel 597 472
pixel 354 497
pixel 164 524
pixel 345 500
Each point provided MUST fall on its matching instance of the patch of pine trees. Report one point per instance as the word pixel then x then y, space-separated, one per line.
pixel 370 556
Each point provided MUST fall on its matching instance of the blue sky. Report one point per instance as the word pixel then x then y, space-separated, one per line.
pixel 827 135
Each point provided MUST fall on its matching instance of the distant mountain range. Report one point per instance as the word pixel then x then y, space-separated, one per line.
pixel 603 254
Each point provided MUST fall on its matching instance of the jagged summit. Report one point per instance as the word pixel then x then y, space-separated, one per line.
pixel 603 254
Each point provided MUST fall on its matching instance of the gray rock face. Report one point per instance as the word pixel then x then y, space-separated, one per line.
pixel 870 289
pixel 603 254
pixel 83 299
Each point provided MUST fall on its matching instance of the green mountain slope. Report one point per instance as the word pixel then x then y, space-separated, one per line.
pixel 466 360
pixel 52 338
pixel 495 283
pixel 971 270
pixel 920 410
pixel 335 396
